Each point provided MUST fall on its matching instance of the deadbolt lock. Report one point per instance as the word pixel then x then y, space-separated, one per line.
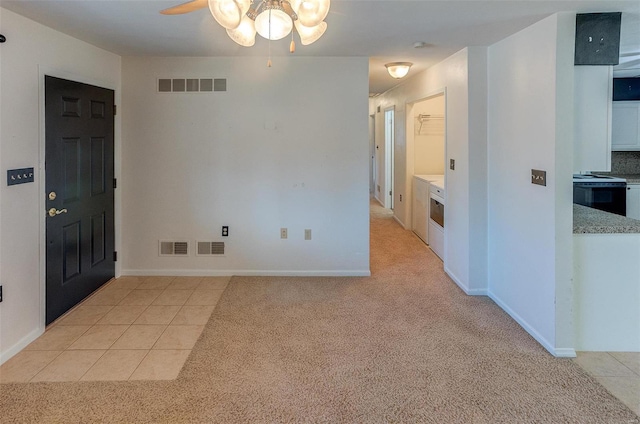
pixel 52 195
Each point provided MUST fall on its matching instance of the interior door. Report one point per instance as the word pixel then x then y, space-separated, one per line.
pixel 80 192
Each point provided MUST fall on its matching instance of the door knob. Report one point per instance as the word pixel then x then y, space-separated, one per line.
pixel 52 195
pixel 53 212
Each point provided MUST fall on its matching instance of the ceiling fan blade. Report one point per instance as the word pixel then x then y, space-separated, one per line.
pixel 187 7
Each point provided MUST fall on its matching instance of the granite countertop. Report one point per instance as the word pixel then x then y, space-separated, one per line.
pixel 593 221
pixel 631 178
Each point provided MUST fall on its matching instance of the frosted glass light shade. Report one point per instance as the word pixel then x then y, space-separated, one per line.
pixel 309 35
pixel 398 69
pixel 229 13
pixel 279 22
pixel 311 12
pixel 245 34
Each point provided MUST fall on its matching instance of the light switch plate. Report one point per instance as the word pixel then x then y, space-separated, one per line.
pixel 538 177
pixel 19 176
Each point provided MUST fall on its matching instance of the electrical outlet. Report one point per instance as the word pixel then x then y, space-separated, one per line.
pixel 225 231
pixel 307 234
pixel 283 233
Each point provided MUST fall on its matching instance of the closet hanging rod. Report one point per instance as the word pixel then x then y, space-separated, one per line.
pixel 426 117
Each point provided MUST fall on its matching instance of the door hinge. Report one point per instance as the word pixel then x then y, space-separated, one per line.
pixel 115 110
pixel 115 256
pixel 389 192
pixel 115 183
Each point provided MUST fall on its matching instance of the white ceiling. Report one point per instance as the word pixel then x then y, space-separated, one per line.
pixel 382 30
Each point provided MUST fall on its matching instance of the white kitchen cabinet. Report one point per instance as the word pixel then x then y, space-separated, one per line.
pixel 593 90
pixel 625 134
pixel 420 215
pixel 633 201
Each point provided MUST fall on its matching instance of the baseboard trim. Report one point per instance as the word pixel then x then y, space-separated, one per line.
pixel 400 222
pixel 22 343
pixel 527 327
pixel 464 288
pixel 564 352
pixel 243 272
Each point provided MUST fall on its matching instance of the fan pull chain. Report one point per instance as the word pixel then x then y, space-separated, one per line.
pixel 292 46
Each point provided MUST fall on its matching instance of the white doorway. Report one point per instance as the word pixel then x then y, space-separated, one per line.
pixel 389 141
pixel 425 144
pixel 372 155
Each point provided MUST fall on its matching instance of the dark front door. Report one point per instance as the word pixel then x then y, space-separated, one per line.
pixel 79 190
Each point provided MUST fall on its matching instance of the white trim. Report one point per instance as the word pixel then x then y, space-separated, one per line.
pixel 525 325
pixel 399 222
pixel 22 343
pixel 244 272
pixel 426 96
pixel 466 290
pixel 564 353
pixel 60 73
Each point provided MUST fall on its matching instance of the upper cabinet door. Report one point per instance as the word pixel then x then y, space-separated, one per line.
pixel 593 91
pixel 625 133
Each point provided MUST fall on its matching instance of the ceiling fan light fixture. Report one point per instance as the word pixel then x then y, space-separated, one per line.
pixel 310 35
pixel 311 12
pixel 398 69
pixel 273 23
pixel 229 13
pixel 245 33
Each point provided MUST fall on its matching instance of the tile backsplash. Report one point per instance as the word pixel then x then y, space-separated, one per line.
pixel 625 162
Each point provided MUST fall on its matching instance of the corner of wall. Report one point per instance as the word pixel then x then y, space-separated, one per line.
pixel 564 150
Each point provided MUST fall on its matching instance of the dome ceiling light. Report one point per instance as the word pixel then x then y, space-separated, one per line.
pixel 271 19
pixel 398 69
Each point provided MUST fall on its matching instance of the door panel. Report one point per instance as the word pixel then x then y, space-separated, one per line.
pixel 79 170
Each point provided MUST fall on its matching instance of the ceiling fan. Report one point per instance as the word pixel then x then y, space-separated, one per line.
pixel 272 19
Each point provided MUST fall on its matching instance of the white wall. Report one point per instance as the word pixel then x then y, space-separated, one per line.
pixel 285 146
pixel 465 211
pixel 530 126
pixel 31 50
pixel 607 275
pixel 428 136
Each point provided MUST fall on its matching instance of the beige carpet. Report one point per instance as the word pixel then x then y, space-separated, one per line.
pixel 405 345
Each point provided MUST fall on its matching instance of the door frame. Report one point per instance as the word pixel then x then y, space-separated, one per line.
pixel 409 139
pixel 389 158
pixel 60 73
pixel 372 155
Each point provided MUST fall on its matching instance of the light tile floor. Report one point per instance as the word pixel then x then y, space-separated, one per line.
pixel 618 372
pixel 133 328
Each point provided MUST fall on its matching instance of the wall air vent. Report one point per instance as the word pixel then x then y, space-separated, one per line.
pixel 191 85
pixel 173 248
pixel 210 248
